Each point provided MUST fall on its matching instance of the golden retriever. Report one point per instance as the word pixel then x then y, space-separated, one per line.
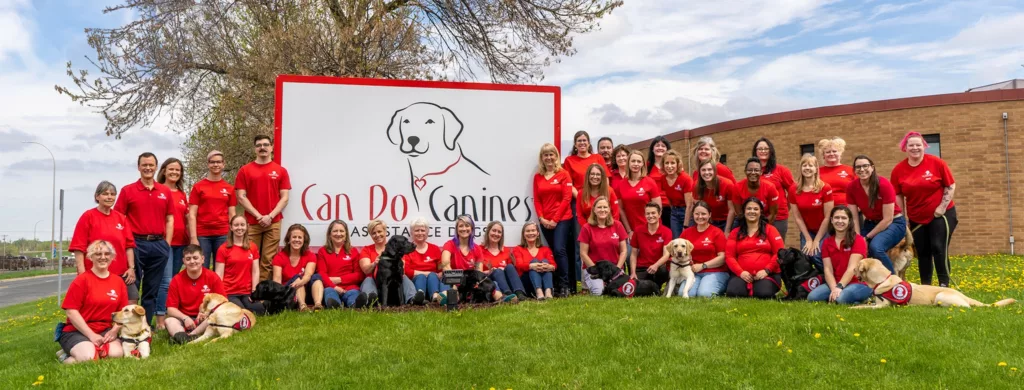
pixel 679 271
pixel 890 289
pixel 224 318
pixel 902 254
pixel 135 333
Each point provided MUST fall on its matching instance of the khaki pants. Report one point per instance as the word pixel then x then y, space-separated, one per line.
pixel 268 239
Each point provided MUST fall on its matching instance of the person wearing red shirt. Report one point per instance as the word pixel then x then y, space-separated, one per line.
pixel 759 188
pixel 752 254
pixel 841 252
pixel 92 298
pixel 833 172
pixel 717 191
pixel 595 187
pixel 211 205
pixel 707 256
pixel 368 257
pixel 810 201
pixel 337 263
pixel 619 171
pixel 170 175
pixel 577 163
pixel 636 192
pixel 262 189
pixel 552 197
pixel 237 266
pixel 677 193
pixel 602 239
pixel 184 322
pixel 296 267
pixel 648 243
pixel 535 262
pixel 105 223
pixel 924 188
pixel 874 197
pixel 778 175
pixel 423 265
pixel 147 205
pixel 605 146
pixel 655 154
pixel 499 265
pixel 705 151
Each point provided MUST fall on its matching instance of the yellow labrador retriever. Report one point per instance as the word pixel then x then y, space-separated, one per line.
pixel 679 271
pixel 135 334
pixel 890 289
pixel 224 318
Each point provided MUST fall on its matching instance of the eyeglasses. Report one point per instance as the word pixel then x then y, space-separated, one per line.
pixel 763 150
pixel 862 167
pixel 215 162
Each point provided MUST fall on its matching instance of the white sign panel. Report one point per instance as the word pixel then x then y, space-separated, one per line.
pixel 363 149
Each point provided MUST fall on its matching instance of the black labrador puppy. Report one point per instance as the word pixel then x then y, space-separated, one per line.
pixel 799 273
pixel 476 287
pixel 618 284
pixel 390 270
pixel 275 296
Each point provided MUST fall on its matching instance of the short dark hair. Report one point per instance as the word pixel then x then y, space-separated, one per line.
pixel 260 137
pixel 609 139
pixel 192 248
pixel 145 155
pixel 656 206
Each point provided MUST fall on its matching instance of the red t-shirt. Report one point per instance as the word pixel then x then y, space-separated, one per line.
pixel 603 241
pixel 179 203
pixel 840 258
pixel 94 225
pixel 719 204
pixel 706 245
pixel 577 168
pixel 921 186
pixel 635 197
pixel 186 294
pixel 766 192
pixel 460 260
pixel 340 265
pixel 213 199
pixel 428 261
pixel 289 271
pixel 856 196
pixel 96 299
pixel 651 246
pixel 146 209
pixel 584 207
pixel 499 261
pixel 656 174
pixel 262 184
pixel 720 170
pixel 812 205
pixel 551 197
pixel 675 192
pixel 523 258
pixel 238 267
pixel 839 177
pixel 753 254
pixel 614 178
pixel 782 178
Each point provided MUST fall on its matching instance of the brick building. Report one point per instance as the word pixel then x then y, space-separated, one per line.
pixel 965 129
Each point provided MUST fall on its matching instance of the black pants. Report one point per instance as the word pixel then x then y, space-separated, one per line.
pixel 660 277
pixel 932 243
pixel 248 304
pixel 666 215
pixel 763 289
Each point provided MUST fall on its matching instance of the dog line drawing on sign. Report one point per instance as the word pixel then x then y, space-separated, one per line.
pixel 428 135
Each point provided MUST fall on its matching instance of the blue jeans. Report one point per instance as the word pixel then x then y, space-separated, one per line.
pixel 885 240
pixel 677 219
pixel 369 286
pixel 854 293
pixel 507 279
pixel 558 239
pixel 540 280
pixel 817 257
pixel 210 244
pixel 349 298
pixel 707 284
pixel 151 258
pixel 429 283
pixel 172 268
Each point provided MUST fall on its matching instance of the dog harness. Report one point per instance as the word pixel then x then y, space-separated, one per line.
pixel 243 323
pixel 899 294
pixel 135 352
pixel 626 289
pixel 812 283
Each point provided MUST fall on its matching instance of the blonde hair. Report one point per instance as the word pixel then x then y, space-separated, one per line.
pixel 643 165
pixel 835 142
pixel 802 181
pixel 679 160
pixel 548 148
pixel 715 154
pixel 592 219
pixel 370 226
pixel 99 245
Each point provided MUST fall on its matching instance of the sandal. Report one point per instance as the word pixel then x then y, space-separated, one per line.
pixel 318 307
pixel 303 308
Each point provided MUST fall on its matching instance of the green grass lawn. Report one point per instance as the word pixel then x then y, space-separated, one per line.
pixel 582 342
pixel 34 272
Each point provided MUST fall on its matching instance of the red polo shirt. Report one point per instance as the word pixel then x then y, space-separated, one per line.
pixel 428 261
pixel 460 260
pixel 706 245
pixel 146 209
pixel 839 177
pixel 651 246
pixel 603 241
pixel 551 197
pixel 753 254
pixel 856 196
pixel 585 206
pixel 523 258
pixel 500 260
pixel 577 168
pixel 635 197
pixel 213 199
pixel 262 184
pixel 675 192
pixel 288 271
pixel 812 205
pixel 186 294
pixel 840 257
pixel 238 267
pixel 719 203
pixel 766 192
pixel 922 186
pixel 96 299
pixel 179 203
pixel 94 225
pixel 782 178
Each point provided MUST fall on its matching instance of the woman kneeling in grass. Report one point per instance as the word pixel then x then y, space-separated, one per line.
pixel 840 253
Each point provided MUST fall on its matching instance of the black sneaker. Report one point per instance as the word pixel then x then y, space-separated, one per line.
pixel 521 295
pixel 419 298
pixel 180 338
pixel 361 300
pixel 371 299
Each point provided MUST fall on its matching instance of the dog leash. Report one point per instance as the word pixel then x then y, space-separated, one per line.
pixel 949 268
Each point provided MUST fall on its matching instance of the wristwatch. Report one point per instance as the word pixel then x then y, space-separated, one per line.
pixel 703 266
pixel 839 285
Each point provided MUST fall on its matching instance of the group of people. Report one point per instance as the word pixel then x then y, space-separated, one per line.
pixel 617 205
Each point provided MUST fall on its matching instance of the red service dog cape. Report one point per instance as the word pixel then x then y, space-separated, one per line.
pixel 812 283
pixel 899 294
pixel 628 289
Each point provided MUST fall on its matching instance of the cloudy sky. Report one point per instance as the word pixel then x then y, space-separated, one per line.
pixel 656 66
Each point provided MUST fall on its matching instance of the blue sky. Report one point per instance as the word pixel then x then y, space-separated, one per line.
pixel 654 67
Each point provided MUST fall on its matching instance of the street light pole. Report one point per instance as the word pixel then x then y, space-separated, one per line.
pixel 53 207
pixel 34 227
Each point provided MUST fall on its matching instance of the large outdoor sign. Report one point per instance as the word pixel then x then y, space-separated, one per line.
pixel 363 149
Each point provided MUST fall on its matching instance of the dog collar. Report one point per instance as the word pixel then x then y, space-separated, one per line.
pixel 682 264
pixel 421 181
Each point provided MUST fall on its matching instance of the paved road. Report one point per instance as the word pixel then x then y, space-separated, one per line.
pixel 25 290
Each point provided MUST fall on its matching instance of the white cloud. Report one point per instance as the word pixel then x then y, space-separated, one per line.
pixel 15 35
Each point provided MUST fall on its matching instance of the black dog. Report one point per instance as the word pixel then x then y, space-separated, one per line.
pixel 476 287
pixel 799 273
pixel 390 270
pixel 275 296
pixel 618 284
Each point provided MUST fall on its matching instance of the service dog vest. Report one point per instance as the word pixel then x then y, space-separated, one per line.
pixel 628 289
pixel 899 294
pixel 243 323
pixel 812 283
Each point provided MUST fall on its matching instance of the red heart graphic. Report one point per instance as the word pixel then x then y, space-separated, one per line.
pixel 420 183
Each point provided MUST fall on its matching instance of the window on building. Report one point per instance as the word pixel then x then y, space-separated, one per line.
pixel 806 149
pixel 934 146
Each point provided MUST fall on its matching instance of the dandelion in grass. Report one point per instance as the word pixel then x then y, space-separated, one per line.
pixel 856 335
pixel 883 361
pixel 1002 364
pixel 779 343
pixel 817 335
pixel 789 351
